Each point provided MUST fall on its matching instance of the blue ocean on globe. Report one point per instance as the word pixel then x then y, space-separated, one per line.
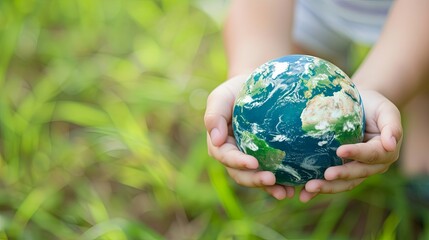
pixel 293 113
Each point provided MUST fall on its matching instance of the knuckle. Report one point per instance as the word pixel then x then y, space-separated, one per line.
pixel 258 182
pixel 213 96
pixel 345 173
pixel 372 157
pixel 209 118
pixel 364 173
pixel 329 190
pixel 223 159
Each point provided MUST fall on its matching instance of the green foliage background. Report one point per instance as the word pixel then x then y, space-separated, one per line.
pixel 102 136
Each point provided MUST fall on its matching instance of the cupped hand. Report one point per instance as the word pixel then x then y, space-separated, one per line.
pixel 380 148
pixel 221 143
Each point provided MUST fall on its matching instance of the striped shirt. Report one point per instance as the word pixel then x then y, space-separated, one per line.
pixel 359 20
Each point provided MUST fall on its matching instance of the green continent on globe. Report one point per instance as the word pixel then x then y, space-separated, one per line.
pixel 321 75
pixel 293 113
pixel 272 158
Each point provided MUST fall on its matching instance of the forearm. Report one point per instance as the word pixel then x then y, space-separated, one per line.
pixel 398 65
pixel 257 31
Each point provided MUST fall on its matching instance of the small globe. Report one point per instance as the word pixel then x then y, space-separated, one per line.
pixel 293 113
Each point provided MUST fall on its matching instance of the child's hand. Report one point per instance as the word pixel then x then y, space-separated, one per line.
pixel 382 142
pixel 221 143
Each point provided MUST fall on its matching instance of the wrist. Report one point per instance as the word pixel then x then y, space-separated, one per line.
pixel 386 83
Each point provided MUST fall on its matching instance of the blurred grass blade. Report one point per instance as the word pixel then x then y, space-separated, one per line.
pixel 110 229
pixel 191 173
pixel 390 225
pixel 224 192
pixel 43 217
pixel 146 13
pixel 3 236
pixel 10 28
pixel 244 229
pixel 133 133
pixel 128 229
pixel 33 202
pixel 80 114
pixel 331 217
pixel 132 177
pixel 97 208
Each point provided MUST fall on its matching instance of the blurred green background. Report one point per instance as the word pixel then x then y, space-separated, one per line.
pixel 102 135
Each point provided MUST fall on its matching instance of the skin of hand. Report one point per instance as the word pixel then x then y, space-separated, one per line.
pixel 380 148
pixel 221 143
pixel 382 141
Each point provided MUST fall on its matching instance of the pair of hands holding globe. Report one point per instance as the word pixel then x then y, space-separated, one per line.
pixel 380 148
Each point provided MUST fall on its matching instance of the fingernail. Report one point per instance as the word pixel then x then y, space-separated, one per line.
pixel 214 134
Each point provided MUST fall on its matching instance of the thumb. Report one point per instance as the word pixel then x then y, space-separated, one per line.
pixel 217 128
pixel 218 114
pixel 389 122
pixel 220 104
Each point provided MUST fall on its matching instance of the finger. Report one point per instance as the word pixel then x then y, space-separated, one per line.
pixel 306 196
pixel 280 192
pixel 389 123
pixel 218 114
pixel 219 108
pixel 230 156
pixel 354 170
pixel 328 187
pixel 290 191
pixel 391 138
pixel 371 152
pixel 252 178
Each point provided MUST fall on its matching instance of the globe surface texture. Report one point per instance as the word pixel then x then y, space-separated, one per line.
pixel 293 113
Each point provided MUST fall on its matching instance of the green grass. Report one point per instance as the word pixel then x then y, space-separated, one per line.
pixel 101 135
